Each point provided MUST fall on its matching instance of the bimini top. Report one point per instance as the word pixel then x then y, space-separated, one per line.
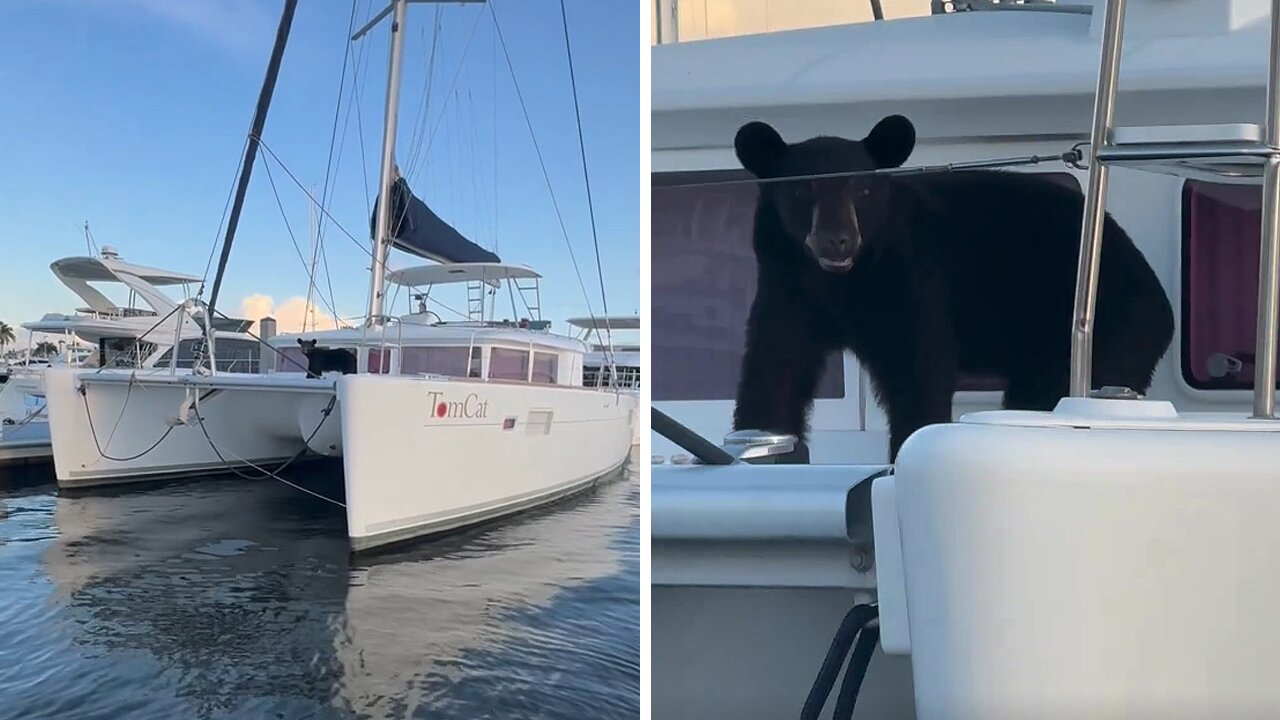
pixel 610 322
pixel 486 272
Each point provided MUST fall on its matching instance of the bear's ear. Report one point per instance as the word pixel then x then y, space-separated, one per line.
pixel 891 141
pixel 760 149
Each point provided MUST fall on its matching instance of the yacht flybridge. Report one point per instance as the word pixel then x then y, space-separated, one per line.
pixel 439 423
pixel 1012 564
pixel 142 331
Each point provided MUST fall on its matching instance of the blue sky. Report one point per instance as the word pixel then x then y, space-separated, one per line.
pixel 131 114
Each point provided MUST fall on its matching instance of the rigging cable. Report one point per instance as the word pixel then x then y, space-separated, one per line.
pixel 330 167
pixel 586 180
pixel 414 162
pixel 329 303
pixel 1073 157
pixel 251 149
pixel 493 13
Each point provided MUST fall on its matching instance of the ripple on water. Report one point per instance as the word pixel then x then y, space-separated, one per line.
pixel 230 599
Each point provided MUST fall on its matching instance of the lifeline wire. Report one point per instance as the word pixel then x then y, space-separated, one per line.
pixel 1073 157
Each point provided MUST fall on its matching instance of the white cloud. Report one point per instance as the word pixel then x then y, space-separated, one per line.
pixel 289 315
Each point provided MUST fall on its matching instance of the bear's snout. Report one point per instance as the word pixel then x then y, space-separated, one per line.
pixel 834 252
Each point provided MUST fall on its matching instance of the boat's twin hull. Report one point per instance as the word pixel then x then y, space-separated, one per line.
pixel 420 456
pixel 107 427
pixel 426 456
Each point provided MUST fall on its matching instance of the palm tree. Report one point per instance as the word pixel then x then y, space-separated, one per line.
pixel 45 349
pixel 6 335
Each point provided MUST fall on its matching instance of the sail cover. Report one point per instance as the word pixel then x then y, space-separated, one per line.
pixel 419 231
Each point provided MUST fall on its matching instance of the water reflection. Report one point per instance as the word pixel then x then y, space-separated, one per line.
pixel 234 598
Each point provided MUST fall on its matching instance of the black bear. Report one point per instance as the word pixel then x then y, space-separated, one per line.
pixel 323 360
pixel 924 277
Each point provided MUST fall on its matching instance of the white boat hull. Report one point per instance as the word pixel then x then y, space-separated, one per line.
pixel 492 448
pixel 111 433
pixel 496 449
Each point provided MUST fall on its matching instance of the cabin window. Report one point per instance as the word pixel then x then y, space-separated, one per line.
pixel 1221 244
pixel 450 361
pixel 234 355
pixel 704 280
pixel 379 362
pixel 544 367
pixel 123 352
pixel 505 364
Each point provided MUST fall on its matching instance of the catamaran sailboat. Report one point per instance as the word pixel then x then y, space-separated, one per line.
pixel 1012 564
pixel 438 424
pixel 610 363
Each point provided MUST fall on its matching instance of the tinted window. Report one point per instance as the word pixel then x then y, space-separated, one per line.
pixel 704 277
pixel 507 364
pixel 544 367
pixel 1221 243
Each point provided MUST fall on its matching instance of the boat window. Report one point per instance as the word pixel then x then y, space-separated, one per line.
pixel 124 352
pixel 450 361
pixel 544 367
pixel 379 362
pixel 1221 240
pixel 238 356
pixel 477 362
pixel 704 280
pixel 234 355
pixel 505 364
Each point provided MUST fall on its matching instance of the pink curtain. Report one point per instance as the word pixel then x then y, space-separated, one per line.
pixel 450 361
pixel 507 364
pixel 379 361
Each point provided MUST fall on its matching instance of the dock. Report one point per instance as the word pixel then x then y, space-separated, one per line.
pixel 25 444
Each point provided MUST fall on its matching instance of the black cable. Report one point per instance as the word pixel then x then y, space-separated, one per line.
pixel 94 433
pixel 854 621
pixel 854 674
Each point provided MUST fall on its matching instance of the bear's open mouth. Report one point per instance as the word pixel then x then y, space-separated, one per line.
pixel 835 265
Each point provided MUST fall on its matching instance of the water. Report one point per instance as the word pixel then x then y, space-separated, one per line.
pixel 229 598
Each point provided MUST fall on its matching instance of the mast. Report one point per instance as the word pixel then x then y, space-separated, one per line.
pixel 251 152
pixel 381 237
pixel 382 234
